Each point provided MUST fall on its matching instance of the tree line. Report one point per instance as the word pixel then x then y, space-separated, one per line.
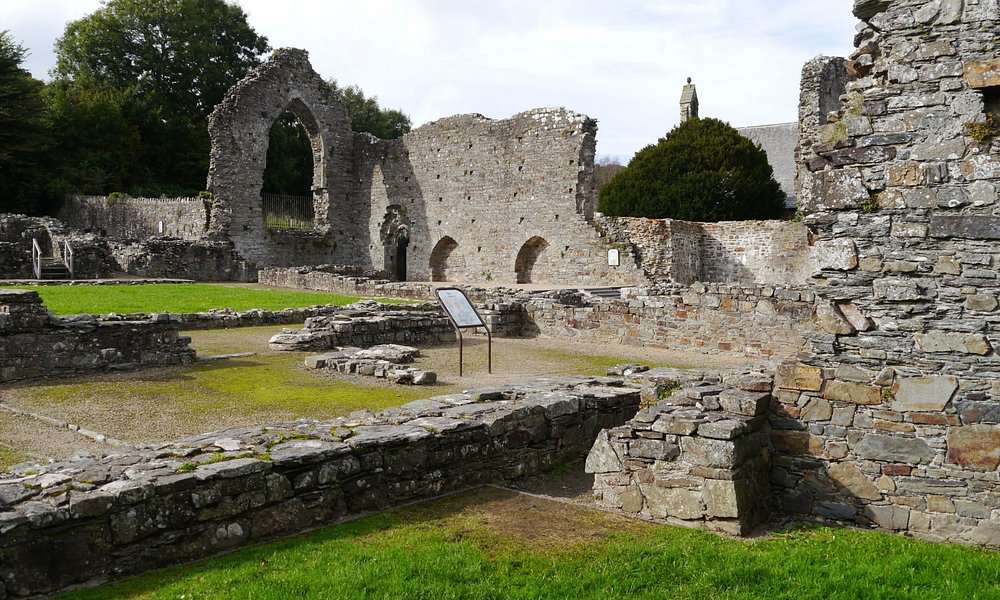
pixel 127 105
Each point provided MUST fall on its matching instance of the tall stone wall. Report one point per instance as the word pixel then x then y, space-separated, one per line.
pixel 894 418
pixel 239 128
pixel 88 520
pixel 505 201
pixel 137 218
pixel 746 252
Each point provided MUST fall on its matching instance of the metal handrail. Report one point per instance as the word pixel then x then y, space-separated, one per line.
pixel 68 257
pixel 36 258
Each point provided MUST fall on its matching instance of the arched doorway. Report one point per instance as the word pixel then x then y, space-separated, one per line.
pixel 395 235
pixel 286 194
pixel 527 257
pixel 445 261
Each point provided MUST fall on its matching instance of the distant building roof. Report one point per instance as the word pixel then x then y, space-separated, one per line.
pixel 778 141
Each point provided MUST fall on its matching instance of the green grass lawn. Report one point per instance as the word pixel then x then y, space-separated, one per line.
pixel 494 544
pixel 174 297
pixel 10 457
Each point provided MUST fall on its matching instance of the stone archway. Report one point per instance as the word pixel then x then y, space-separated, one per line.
pixel 239 128
pixel 395 236
pixel 527 257
pixel 445 259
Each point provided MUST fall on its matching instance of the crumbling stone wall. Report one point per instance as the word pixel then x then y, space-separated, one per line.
pixel 34 343
pixel 893 420
pixel 137 218
pixel 91 255
pixel 200 260
pixel 476 193
pixel 90 519
pixel 746 252
pixel 239 128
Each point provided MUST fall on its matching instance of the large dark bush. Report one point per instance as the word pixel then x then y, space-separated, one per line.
pixel 703 170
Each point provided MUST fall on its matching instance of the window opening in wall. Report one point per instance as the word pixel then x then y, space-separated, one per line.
pixel 402 241
pixel 286 196
pixel 527 257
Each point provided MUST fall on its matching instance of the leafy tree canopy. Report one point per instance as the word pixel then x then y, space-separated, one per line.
pixel 367 116
pixel 24 131
pixel 186 53
pixel 703 170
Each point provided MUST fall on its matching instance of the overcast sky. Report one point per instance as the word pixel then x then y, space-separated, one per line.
pixel 622 62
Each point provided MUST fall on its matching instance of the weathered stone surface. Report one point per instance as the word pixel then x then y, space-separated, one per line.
pixel 838 254
pixel 800 442
pixel 854 393
pixel 977 227
pixel 797 376
pixel 983 74
pixel 741 402
pixel 947 342
pixel 910 451
pixel 974 446
pixel 891 517
pixel 924 393
pixel 725 498
pixel 854 481
pixel 855 317
pixel 602 457
pixel 678 503
pixel 831 321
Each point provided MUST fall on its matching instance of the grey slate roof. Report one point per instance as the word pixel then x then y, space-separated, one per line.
pixel 778 141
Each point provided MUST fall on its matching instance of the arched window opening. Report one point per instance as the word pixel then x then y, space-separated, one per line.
pixel 445 261
pixel 286 196
pixel 527 257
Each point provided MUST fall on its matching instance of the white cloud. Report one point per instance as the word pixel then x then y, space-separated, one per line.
pixel 620 62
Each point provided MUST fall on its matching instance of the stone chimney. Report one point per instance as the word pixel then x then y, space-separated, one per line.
pixel 689 102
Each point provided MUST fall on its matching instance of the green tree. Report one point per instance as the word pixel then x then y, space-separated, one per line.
pixel 24 132
pixel 289 167
pixel 160 66
pixel 367 116
pixel 703 170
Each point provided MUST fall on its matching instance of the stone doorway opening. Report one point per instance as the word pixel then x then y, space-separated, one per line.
pixel 444 258
pixel 527 257
pixel 290 169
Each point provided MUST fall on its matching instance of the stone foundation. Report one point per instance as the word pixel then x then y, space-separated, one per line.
pixel 33 343
pixel 424 324
pixel 87 520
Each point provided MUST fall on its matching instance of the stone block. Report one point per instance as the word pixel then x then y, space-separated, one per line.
pixel 975 446
pixel 973 412
pixel 797 376
pixel 816 409
pixel 796 442
pixel 830 320
pixel 603 456
pixel 982 74
pixel 838 254
pixel 909 451
pixel 923 393
pixel 974 227
pixel 891 517
pixel 721 454
pixel 744 403
pixel 981 302
pixel 848 476
pixel 855 393
pixel 855 317
pixel 949 342
pixel 679 503
pixel 727 499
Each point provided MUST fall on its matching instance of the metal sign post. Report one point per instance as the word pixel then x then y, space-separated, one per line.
pixel 463 315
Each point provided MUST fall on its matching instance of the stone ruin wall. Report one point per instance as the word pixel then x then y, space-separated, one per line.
pixel 91 519
pixel 137 218
pixel 486 188
pixel 239 128
pixel 744 252
pixel 34 343
pixel 894 417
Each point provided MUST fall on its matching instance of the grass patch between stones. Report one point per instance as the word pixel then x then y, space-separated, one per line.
pixel 491 543
pixel 176 298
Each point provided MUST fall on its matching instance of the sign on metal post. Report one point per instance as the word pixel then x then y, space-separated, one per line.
pixel 463 315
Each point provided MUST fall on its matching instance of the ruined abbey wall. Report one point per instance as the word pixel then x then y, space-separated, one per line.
pixel 137 218
pixel 745 252
pixel 894 417
pixel 482 200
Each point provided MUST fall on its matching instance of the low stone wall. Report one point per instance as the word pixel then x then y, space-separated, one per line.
pixel 200 260
pixel 338 279
pixel 424 324
pixel 86 520
pixel 33 343
pixel 697 456
pixel 757 321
